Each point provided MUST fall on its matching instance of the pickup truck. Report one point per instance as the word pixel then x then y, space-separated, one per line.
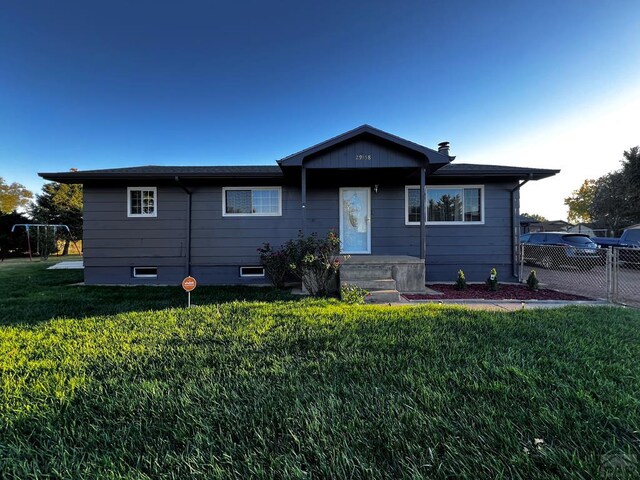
pixel 630 239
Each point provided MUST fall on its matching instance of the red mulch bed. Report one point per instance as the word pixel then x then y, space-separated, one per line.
pixel 481 292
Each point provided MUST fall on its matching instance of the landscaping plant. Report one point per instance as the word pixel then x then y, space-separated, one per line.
pixel 461 281
pixel 275 263
pixel 315 261
pixel 353 294
pixel 492 281
pixel 532 281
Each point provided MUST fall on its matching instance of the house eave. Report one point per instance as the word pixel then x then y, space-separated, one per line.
pixel 530 174
pixel 79 177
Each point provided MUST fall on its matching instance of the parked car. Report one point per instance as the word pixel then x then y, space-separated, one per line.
pixel 577 250
pixel 629 243
pixel 524 238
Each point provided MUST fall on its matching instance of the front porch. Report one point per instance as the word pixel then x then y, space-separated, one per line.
pixel 384 276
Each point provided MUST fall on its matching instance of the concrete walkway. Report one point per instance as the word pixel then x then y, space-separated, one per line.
pixel 73 265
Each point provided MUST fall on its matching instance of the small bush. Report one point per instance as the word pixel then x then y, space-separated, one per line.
pixel 492 281
pixel 353 294
pixel 275 264
pixel 314 261
pixel 461 281
pixel 532 281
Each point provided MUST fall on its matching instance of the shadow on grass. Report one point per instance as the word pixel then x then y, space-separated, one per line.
pixel 32 294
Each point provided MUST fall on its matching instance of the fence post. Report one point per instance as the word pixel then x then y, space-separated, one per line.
pixel 615 269
pixel 521 266
pixel 609 274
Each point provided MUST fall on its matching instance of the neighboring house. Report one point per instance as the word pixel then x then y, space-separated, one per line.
pixel 586 229
pixel 550 226
pixel 155 224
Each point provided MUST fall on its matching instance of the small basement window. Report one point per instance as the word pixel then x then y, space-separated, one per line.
pixel 145 272
pixel 252 271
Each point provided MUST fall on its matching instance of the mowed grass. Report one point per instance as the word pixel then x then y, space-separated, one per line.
pixel 30 293
pixel 310 389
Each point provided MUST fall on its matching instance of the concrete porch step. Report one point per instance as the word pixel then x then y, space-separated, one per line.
pixel 408 272
pixel 382 284
pixel 383 296
pixel 349 273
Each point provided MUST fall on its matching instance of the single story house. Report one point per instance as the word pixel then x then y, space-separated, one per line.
pixel 156 224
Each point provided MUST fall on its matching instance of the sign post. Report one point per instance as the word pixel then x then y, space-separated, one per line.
pixel 189 284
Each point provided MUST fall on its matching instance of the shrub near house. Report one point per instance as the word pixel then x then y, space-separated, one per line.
pixel 312 260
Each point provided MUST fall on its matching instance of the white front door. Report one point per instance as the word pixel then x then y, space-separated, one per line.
pixel 355 220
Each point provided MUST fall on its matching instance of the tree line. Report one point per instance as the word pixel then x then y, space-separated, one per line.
pixel 611 201
pixel 57 203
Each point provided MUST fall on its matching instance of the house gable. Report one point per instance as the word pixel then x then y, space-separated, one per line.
pixel 366 144
pixel 366 152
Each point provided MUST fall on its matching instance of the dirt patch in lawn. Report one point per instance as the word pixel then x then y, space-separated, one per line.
pixel 481 292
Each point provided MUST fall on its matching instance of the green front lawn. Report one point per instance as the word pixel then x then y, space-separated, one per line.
pixel 30 293
pixel 110 383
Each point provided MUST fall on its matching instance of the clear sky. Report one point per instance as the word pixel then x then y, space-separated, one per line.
pixel 551 84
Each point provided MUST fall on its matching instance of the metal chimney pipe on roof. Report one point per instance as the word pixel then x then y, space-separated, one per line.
pixel 443 148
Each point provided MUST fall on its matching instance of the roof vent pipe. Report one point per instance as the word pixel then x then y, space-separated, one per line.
pixel 443 148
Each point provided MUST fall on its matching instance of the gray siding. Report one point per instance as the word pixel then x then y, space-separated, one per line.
pixel 115 243
pixel 232 241
pixel 382 156
pixel 476 249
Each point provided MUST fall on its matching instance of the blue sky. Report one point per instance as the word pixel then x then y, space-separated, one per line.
pixel 105 84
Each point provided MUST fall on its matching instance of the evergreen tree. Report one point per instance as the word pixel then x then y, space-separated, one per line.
pixel 60 203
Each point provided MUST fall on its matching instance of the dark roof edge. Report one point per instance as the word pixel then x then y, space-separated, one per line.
pixel 495 171
pixel 79 177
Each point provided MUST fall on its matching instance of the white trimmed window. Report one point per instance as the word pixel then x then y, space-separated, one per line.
pixel 252 271
pixel 251 201
pixel 446 205
pixel 145 272
pixel 141 202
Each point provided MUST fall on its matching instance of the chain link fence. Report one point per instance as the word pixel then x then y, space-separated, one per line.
pixel 611 274
pixel 626 276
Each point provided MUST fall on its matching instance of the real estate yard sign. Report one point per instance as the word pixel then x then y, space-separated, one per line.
pixel 189 284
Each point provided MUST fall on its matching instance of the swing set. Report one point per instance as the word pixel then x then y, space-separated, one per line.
pixel 46 237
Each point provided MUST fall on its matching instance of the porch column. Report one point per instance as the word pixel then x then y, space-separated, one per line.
pixel 304 198
pixel 423 212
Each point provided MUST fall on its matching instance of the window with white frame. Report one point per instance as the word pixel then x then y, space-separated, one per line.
pixel 252 271
pixel 145 272
pixel 251 201
pixel 446 204
pixel 141 201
